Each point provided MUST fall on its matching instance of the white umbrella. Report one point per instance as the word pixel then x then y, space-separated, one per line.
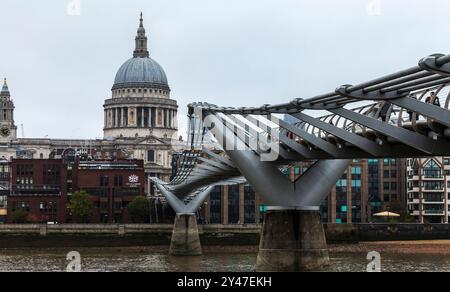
pixel 386 214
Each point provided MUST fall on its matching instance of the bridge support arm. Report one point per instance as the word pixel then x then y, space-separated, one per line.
pixel 179 206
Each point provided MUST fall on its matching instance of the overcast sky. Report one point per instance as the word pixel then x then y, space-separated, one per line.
pixel 229 52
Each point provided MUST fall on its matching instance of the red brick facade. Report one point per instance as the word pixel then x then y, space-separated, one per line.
pixel 112 186
pixel 39 187
pixel 42 187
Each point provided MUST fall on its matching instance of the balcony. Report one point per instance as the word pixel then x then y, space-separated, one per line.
pixel 32 190
pixel 434 212
pixel 434 202
pixel 433 177
pixel 433 186
pixel 415 213
pixel 434 189
pixel 414 189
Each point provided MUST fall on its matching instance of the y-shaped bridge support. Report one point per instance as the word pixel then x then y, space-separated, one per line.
pixel 292 238
pixel 185 238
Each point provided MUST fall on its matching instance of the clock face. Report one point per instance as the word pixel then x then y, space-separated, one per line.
pixel 5 132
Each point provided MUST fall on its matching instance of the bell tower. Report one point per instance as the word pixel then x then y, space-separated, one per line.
pixel 8 130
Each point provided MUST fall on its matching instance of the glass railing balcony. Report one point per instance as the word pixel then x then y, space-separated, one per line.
pixel 434 212
pixel 434 188
pixel 433 176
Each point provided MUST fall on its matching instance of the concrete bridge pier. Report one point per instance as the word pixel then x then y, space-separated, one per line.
pixel 185 236
pixel 292 240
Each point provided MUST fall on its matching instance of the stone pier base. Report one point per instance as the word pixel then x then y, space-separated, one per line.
pixel 185 237
pixel 292 241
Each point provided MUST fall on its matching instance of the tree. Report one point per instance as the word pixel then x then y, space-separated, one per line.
pixel 20 216
pixel 139 209
pixel 81 206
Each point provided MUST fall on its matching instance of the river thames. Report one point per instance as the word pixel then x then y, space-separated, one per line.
pixel 135 260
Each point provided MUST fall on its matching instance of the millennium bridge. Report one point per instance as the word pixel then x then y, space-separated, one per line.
pixel 401 115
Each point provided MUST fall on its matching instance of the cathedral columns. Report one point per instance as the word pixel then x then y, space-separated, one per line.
pixel 119 117
pixel 125 117
pixel 132 117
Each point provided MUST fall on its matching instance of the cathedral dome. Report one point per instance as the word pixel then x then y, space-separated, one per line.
pixel 141 70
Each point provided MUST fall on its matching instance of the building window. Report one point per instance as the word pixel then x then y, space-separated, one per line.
pixel 432 169
pixel 118 181
pixel 356 170
pixel 386 174
pixel 215 208
pixel 249 205
pixel 233 204
pixel 446 161
pixel 393 173
pixel 104 181
pixel 118 206
pixel 433 186
pixel 21 206
pixel 151 155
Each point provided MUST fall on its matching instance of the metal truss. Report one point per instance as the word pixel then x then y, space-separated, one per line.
pixel 402 115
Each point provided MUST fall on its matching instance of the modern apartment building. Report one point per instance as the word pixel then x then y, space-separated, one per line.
pixel 429 189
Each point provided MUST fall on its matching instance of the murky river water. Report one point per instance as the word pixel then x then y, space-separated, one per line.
pixel 93 260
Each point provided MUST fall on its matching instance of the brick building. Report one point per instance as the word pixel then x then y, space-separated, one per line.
pixel 43 188
pixel 112 186
pixel 40 188
pixel 5 185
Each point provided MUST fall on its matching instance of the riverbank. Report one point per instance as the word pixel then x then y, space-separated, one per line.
pixel 358 237
pixel 130 235
pixel 424 247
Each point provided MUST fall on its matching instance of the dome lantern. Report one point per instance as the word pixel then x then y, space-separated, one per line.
pixel 141 50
